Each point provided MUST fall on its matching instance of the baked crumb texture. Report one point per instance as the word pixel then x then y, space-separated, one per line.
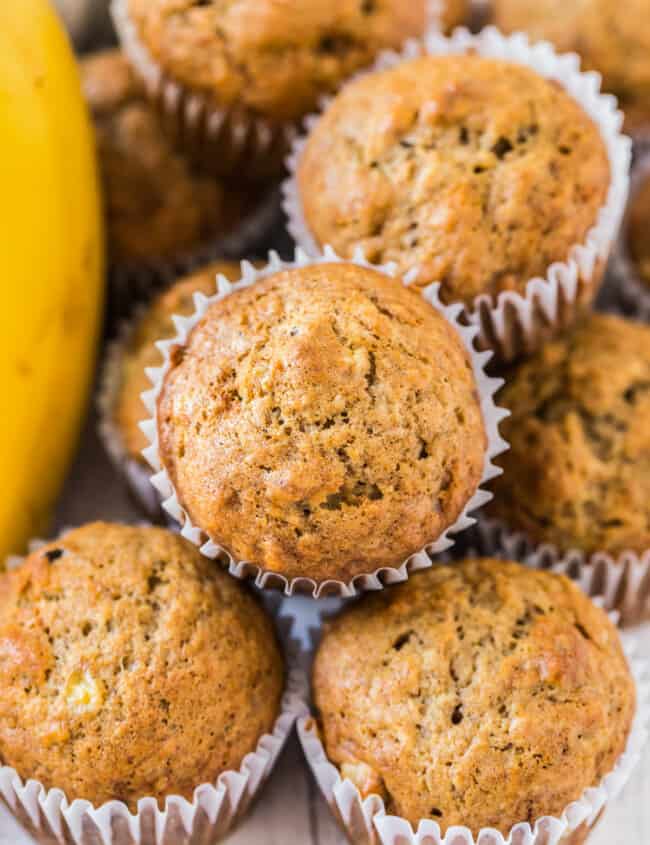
pixel 272 60
pixel 479 171
pixel 577 472
pixel 130 666
pixel 481 694
pixel 610 37
pixel 322 423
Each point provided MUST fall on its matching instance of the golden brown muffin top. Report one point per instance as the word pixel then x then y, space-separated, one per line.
pixel 638 231
pixel 156 206
pixel 274 59
pixel 611 36
pixel 578 470
pixel 322 423
pixel 481 694
pixel 130 666
pixel 156 324
pixel 480 172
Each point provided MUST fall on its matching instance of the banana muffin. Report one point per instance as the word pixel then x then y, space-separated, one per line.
pixel 478 171
pixel 481 694
pixel 157 208
pixel 269 59
pixel 638 230
pixel 141 352
pixel 322 423
pixel 611 36
pixel 130 666
pixel 578 471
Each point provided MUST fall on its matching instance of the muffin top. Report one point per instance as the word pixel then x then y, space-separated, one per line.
pixel 156 207
pixel 156 324
pixel 578 470
pixel 481 694
pixel 323 422
pixel 274 59
pixel 611 36
pixel 638 231
pixel 131 666
pixel 478 171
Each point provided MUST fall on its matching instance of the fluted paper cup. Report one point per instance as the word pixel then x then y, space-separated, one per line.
pixel 623 580
pixel 52 817
pixel 218 139
pixel 376 580
pixel 135 472
pixel 366 822
pixel 515 324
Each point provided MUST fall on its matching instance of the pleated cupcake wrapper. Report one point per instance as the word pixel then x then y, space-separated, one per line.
pixel 219 139
pixel 130 283
pixel 634 293
pixel 135 472
pixel 376 580
pixel 623 581
pixel 215 808
pixel 366 821
pixel 516 324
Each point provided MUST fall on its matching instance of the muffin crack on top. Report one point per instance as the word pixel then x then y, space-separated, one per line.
pixel 481 694
pixel 323 422
pixel 479 171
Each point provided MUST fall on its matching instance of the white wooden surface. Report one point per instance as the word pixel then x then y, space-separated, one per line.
pixel 290 811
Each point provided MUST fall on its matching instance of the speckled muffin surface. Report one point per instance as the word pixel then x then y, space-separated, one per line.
pixel 156 206
pixel 478 171
pixel 481 694
pixel 130 666
pixel 140 352
pixel 611 36
pixel 577 474
pixel 638 230
pixel 322 423
pixel 272 59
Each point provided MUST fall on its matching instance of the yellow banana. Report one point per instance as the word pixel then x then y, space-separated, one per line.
pixel 51 265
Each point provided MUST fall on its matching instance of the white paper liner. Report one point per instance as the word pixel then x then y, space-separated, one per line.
pixel 129 283
pixel 633 292
pixel 492 415
pixel 219 138
pixel 517 323
pixel 623 581
pixel 135 472
pixel 215 807
pixel 365 820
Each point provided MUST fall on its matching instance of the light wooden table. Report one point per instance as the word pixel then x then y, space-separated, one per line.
pixel 290 810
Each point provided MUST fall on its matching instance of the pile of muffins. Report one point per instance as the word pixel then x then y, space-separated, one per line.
pixel 337 423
